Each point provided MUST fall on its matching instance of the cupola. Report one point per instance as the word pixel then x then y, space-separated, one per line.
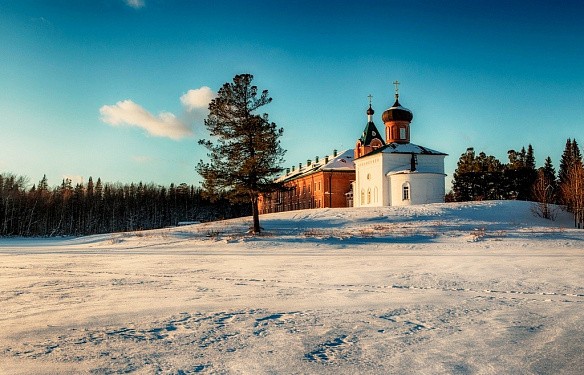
pixel 397 121
pixel 370 139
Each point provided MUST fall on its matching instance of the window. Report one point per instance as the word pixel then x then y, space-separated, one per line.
pixel 402 133
pixel 362 196
pixel 406 192
pixel 368 196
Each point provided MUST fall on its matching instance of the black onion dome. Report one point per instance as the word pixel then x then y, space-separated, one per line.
pixel 370 111
pixel 397 113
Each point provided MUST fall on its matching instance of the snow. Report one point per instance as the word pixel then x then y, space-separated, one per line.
pixel 343 161
pixel 462 288
pixel 409 148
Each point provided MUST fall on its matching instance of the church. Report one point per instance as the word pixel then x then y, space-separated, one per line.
pixel 378 172
pixel 394 171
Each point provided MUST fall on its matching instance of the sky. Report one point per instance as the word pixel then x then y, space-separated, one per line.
pixel 118 89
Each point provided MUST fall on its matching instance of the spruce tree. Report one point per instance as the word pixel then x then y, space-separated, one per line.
pixel 477 177
pixel 566 161
pixel 245 154
pixel 530 158
pixel 549 173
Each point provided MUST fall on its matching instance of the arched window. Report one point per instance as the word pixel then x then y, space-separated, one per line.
pixel 368 196
pixel 362 196
pixel 406 191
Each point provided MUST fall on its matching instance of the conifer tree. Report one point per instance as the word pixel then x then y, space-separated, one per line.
pixel 549 173
pixel 566 161
pixel 520 174
pixel 477 177
pixel 545 190
pixel 570 164
pixel 530 158
pixel 245 155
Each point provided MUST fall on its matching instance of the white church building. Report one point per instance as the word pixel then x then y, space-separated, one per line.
pixel 393 171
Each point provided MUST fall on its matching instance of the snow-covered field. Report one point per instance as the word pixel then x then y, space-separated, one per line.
pixel 472 288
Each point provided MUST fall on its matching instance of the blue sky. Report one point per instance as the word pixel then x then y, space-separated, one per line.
pixel 117 88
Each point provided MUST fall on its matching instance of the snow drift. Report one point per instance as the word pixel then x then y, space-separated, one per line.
pixel 444 288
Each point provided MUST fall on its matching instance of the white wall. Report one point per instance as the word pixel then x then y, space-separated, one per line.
pixel 426 184
pixel 369 178
pixel 423 188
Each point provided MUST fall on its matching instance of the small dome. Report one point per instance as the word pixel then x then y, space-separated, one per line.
pixel 397 113
pixel 370 111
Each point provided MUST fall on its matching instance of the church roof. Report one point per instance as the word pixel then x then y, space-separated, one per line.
pixel 397 113
pixel 404 148
pixel 342 162
pixel 370 133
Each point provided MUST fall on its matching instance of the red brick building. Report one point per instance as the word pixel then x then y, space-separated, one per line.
pixel 320 183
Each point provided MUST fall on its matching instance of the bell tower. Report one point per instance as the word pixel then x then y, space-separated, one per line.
pixel 370 139
pixel 397 121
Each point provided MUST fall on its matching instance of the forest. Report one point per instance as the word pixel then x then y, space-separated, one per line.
pixel 97 207
pixel 93 208
pixel 484 177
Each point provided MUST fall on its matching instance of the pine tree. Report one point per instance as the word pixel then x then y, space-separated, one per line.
pixel 520 174
pixel 570 163
pixel 477 177
pixel 530 158
pixel 576 154
pixel 566 161
pixel 549 173
pixel 246 154
pixel 545 190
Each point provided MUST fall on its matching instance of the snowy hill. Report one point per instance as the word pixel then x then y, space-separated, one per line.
pixel 461 288
pixel 431 223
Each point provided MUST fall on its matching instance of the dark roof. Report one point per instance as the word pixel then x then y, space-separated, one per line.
pixel 397 113
pixel 370 111
pixel 370 133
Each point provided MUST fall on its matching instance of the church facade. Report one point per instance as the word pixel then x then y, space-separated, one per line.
pixel 393 171
pixel 384 169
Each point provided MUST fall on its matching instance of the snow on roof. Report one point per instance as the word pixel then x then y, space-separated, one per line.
pixel 408 148
pixel 406 169
pixel 342 162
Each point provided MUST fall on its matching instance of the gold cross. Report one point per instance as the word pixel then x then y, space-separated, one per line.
pixel 370 97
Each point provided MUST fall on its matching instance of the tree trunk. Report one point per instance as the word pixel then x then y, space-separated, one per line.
pixel 255 214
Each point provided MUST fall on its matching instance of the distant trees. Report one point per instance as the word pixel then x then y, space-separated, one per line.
pixel 482 176
pixel 571 181
pixel 545 190
pixel 245 154
pixel 101 208
pixel 520 174
pixel 477 177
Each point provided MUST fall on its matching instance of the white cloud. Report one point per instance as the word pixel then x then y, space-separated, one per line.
pixel 127 112
pixel 197 99
pixel 136 4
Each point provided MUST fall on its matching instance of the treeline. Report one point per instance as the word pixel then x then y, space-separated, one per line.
pixel 484 177
pixel 98 207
